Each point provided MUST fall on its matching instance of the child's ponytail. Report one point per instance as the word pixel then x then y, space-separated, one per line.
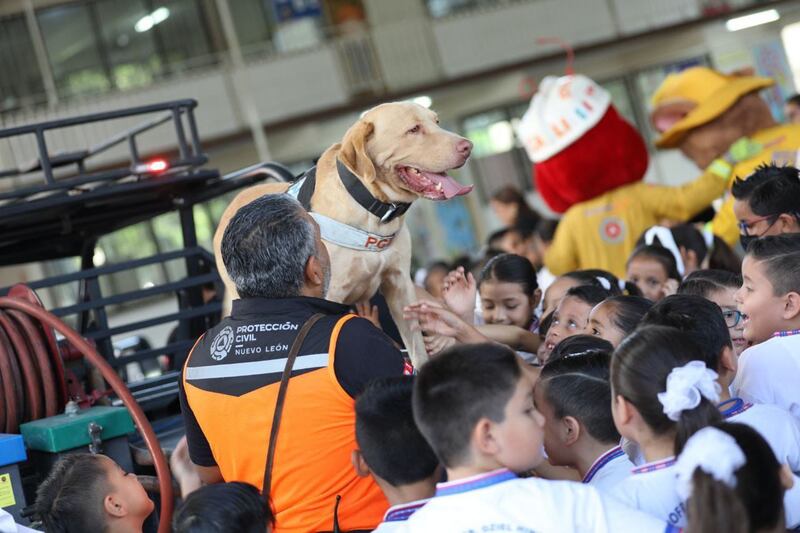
pixel 731 481
pixel 714 507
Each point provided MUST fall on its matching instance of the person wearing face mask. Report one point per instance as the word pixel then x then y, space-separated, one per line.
pixel 767 203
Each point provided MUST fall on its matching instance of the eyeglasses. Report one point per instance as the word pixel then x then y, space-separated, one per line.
pixel 733 317
pixel 746 225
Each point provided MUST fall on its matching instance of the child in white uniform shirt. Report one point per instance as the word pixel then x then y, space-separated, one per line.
pixel 393 451
pixel 732 481
pixel 658 404
pixel 769 371
pixel 704 323
pixel 574 395
pixel 474 405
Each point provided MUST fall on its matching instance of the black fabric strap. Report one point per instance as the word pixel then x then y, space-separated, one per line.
pixel 276 417
pixel 385 212
pixel 307 189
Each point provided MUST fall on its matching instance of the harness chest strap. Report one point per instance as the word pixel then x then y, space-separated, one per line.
pixel 340 233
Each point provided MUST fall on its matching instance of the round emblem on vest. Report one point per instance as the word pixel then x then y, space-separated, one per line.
pixel 221 345
pixel 612 230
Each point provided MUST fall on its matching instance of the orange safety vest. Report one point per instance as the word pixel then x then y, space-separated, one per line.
pixel 312 457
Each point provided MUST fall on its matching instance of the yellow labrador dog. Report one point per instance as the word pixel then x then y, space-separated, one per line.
pixel 393 155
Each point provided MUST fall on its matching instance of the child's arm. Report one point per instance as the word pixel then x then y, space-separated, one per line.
pixel 435 319
pixel 513 336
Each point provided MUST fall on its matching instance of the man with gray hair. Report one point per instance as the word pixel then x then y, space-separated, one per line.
pixel 268 394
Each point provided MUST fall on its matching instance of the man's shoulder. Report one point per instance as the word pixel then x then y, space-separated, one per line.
pixel 360 331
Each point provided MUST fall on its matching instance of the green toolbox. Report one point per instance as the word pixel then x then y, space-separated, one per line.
pixel 97 429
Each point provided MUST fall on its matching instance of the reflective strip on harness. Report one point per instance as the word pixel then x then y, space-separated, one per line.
pixel 342 234
pixel 235 370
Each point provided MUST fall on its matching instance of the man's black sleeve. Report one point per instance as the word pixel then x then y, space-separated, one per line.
pixel 364 353
pixel 199 449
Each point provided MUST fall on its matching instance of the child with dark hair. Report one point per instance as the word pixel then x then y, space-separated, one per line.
pixel 85 492
pixel 224 507
pixel 659 402
pixel 509 294
pixel 654 270
pixel 474 405
pixel 594 277
pixel 574 395
pixel 720 286
pixel 507 240
pixel 702 321
pixel 616 317
pixel 572 314
pixel 769 371
pixel 693 249
pixel 392 449
pixel 434 278
pixel 767 202
pixel 732 482
pixel 579 344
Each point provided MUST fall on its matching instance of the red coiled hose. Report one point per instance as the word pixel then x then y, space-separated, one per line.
pixel 118 386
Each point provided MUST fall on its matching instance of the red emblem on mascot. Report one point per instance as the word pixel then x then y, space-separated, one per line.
pixel 612 230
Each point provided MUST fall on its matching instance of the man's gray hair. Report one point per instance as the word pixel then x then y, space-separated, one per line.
pixel 266 246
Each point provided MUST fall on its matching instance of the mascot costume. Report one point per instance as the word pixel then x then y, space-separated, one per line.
pixel 588 163
pixel 702 112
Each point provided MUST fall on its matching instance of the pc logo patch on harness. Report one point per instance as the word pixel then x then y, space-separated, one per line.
pixel 222 343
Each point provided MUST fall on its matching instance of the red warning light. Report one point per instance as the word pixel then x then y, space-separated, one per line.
pixel 156 165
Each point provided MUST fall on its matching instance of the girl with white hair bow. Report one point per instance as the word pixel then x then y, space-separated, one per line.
pixel 658 402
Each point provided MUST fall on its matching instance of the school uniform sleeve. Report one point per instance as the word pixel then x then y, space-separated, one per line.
pixel 364 353
pixel 684 201
pixel 562 257
pixel 199 448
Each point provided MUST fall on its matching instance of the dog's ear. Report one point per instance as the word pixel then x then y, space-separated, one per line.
pixel 353 152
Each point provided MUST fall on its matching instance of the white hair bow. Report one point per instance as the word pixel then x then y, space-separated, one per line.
pixel 714 452
pixel 686 386
pixel 667 241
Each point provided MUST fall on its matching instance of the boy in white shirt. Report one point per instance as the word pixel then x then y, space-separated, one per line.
pixel 769 371
pixel 574 395
pixel 393 451
pixel 474 405
pixel 703 322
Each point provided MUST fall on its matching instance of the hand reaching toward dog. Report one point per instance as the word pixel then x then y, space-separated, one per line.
pixel 435 344
pixel 459 293
pixel 365 310
pixel 435 319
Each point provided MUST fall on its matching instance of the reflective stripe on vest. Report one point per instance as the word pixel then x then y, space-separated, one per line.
pixel 317 437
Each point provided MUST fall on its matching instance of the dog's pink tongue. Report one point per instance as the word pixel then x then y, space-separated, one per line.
pixel 450 187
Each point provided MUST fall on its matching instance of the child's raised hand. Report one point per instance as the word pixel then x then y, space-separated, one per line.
pixel 459 293
pixel 364 310
pixel 434 319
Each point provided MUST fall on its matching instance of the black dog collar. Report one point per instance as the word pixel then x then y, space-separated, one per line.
pixel 385 212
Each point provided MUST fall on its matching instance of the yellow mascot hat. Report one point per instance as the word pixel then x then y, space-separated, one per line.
pixel 697 95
